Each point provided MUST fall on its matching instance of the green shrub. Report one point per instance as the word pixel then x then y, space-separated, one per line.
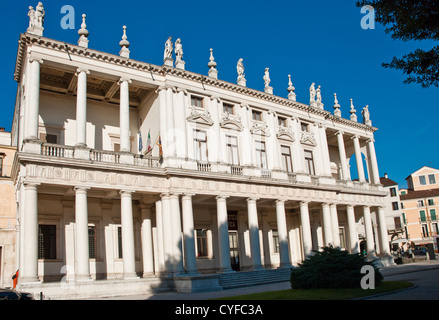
pixel 331 268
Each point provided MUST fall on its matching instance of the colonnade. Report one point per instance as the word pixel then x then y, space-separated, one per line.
pixel 176 245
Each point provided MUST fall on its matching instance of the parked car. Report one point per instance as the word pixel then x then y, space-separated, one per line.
pixel 420 251
pixel 10 294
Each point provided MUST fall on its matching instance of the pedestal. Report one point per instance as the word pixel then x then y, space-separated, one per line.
pixel 168 62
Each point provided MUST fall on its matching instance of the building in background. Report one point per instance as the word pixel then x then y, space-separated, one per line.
pixel 229 179
pixel 8 261
pixel 420 206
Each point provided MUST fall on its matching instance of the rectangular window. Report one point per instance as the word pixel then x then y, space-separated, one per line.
pixel 420 203
pixel 433 214
pixel 422 180
pixel 286 159
pixel 282 122
pixel 402 205
pixel 309 162
pixel 119 243
pixel 201 243
pixel 430 202
pixel 425 233
pixel 422 215
pixel 46 242
pixel 92 242
pixel 392 192
pixel 261 156
pixel 257 115
pixel 275 241
pixel 403 218
pixel 397 221
pixel 341 233
pixel 200 145
pixel 435 228
pixel 1 166
pixel 304 126
pixel 196 101
pixel 232 150
pixel 431 179
pixel 395 205
pixel 228 108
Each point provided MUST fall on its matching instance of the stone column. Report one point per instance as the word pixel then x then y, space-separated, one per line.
pixel 306 229
pixel 375 176
pixel 253 226
pixel 163 119
pixel 177 239
pixel 125 145
pixel 384 239
pixel 170 123
pixel 335 225
pixel 370 248
pixel 283 234
pixel 167 231
pixel 360 167
pixel 33 100
pixel 29 265
pixel 82 244
pixel 159 226
pixel 189 235
pixel 147 245
pixel 353 235
pixel 327 225
pixel 223 234
pixel 180 124
pixel 81 108
pixel 325 150
pixel 129 258
pixel 342 154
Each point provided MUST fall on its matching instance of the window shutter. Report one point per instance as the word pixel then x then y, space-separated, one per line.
pixel 422 214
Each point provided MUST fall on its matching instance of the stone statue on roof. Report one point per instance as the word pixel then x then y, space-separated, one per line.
pixel 168 49
pixel 240 70
pixel 267 77
pixel 36 19
pixel 366 116
pixel 312 94
pixel 178 50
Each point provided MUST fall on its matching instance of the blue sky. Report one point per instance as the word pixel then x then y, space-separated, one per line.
pixel 314 41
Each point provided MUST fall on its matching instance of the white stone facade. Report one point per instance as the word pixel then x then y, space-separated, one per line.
pixel 234 164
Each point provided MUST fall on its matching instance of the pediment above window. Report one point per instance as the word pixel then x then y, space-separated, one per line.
pixel 285 134
pixel 231 122
pixel 308 138
pixel 259 127
pixel 202 117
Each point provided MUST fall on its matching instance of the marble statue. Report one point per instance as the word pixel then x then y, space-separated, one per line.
pixel 312 94
pixel 178 50
pixel 319 95
pixel 366 116
pixel 267 77
pixel 36 19
pixel 168 49
pixel 240 70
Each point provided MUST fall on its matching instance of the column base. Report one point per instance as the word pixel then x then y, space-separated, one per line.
pixel 131 276
pixel 83 278
pixel 32 145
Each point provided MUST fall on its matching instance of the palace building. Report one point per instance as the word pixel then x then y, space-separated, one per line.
pixel 132 177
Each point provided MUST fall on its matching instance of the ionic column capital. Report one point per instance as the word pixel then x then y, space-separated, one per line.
pixel 35 59
pixel 124 79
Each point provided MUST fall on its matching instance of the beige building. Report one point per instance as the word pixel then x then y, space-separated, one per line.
pixel 227 184
pixel 420 206
pixel 8 261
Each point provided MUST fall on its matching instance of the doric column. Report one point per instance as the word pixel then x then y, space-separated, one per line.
pixel 370 248
pixel 327 225
pixel 33 100
pixel 189 234
pixel 335 225
pixel 177 246
pixel 384 240
pixel 353 235
pixel 360 167
pixel 81 108
pixel 223 234
pixel 163 119
pixel 253 226
pixel 342 154
pixel 306 229
pixel 82 271
pixel 373 162
pixel 129 259
pixel 180 125
pixel 29 265
pixel 125 145
pixel 147 246
pixel 167 231
pixel 170 122
pixel 160 258
pixel 282 233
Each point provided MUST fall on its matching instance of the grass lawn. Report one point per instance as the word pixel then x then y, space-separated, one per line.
pixel 323 294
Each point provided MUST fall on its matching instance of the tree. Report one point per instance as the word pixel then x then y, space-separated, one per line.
pixel 411 20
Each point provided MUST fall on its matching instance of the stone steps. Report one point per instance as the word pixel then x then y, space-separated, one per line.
pixel 253 278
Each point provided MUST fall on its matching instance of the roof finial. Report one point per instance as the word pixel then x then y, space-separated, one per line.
pixel 353 111
pixel 213 72
pixel 337 111
pixel 83 33
pixel 36 20
pixel 291 94
pixel 125 44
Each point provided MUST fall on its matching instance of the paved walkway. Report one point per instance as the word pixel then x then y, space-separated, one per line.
pixel 387 271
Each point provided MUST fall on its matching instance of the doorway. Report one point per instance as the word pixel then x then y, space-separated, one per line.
pixel 234 250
